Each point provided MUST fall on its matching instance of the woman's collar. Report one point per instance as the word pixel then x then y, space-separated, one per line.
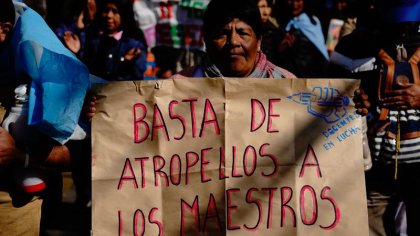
pixel 117 36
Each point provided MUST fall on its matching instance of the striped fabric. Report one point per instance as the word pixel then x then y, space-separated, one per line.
pixel 384 143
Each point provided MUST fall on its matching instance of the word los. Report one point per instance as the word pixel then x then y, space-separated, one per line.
pixel 209 123
pixel 181 167
pixel 213 219
pixel 139 218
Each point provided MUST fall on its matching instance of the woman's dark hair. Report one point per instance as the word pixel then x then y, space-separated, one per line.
pixel 270 3
pixel 221 12
pixel 71 10
pixel 7 11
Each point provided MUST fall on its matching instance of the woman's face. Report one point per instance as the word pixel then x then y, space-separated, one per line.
pixel 90 10
pixel 296 6
pixel 265 10
pixel 341 5
pixel 5 30
pixel 233 48
pixel 111 18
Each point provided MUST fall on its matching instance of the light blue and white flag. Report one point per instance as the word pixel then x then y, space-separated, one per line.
pixel 59 79
pixel 311 31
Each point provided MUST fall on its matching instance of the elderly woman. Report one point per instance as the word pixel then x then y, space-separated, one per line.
pixel 232 33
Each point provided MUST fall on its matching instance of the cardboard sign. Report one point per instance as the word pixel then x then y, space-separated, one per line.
pixel 228 157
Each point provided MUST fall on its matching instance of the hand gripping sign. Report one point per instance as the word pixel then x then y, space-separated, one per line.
pixel 228 157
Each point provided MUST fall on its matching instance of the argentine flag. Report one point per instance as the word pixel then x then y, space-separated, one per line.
pixel 59 79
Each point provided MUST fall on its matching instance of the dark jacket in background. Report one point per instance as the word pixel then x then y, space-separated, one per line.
pixel 104 56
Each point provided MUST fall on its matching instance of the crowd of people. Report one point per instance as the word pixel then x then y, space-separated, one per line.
pixel 115 43
pixel 375 41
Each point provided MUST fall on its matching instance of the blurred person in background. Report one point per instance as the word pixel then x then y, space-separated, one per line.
pixel 177 38
pixel 118 51
pixel 74 27
pixel 27 46
pixel 40 6
pixel 384 51
pixel 302 49
pixel 270 28
pixel 26 219
pixel 355 9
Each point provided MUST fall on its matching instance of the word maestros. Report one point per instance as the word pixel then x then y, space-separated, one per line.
pixel 176 170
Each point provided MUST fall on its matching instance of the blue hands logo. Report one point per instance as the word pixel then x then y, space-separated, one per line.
pixel 325 103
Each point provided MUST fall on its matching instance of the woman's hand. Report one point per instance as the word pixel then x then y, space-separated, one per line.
pixel 132 54
pixel 8 151
pixel 89 110
pixel 361 101
pixel 287 42
pixel 59 157
pixel 406 98
pixel 72 41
